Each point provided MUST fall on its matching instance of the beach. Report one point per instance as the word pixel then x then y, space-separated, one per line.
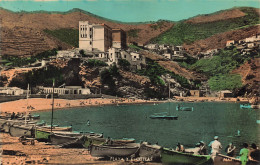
pixel 41 104
pixel 14 152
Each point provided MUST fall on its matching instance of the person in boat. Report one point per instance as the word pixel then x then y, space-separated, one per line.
pixel 230 149
pixel 215 147
pixel 244 154
pixel 88 123
pixel 180 148
pixel 178 106
pixel 203 149
pixel 254 152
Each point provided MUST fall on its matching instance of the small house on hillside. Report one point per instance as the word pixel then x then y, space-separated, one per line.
pixel 230 43
pixel 225 94
pixel 195 93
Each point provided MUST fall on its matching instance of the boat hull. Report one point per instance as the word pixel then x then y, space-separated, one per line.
pixel 112 151
pixel 226 160
pixel 21 130
pixel 42 134
pixel 164 117
pixel 90 140
pixel 152 152
pixel 67 141
pixel 245 106
pixel 184 108
pixel 172 157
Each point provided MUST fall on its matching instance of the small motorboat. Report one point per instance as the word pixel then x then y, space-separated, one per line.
pixel 179 108
pixel 245 106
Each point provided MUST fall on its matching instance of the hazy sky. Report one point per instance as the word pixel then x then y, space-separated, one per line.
pixel 132 10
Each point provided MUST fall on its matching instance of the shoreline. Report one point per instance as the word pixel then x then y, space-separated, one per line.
pixel 42 104
pixel 14 152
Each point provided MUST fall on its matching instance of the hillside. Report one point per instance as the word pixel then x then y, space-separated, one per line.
pixel 219 41
pixel 218 16
pixel 202 27
pixel 23 33
pixel 250 77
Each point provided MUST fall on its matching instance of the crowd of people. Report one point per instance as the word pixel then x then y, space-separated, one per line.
pixel 245 154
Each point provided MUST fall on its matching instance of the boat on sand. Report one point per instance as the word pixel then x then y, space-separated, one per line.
pixel 169 156
pixel 112 151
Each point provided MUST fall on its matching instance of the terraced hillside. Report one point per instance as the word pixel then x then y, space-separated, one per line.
pixel 197 29
pixel 24 34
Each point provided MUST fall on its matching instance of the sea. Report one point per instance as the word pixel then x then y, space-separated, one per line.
pixel 208 119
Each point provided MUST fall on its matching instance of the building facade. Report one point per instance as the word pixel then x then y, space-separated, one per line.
pixel 12 91
pixel 118 38
pixel 67 90
pixel 94 36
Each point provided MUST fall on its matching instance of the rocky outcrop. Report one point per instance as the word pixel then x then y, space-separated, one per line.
pixel 250 78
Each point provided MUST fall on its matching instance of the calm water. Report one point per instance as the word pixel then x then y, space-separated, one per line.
pixel 132 121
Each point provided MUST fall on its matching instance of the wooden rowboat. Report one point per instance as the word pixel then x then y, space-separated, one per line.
pixel 112 151
pixel 227 160
pixel 67 141
pixel 22 130
pixel 169 156
pixel 153 152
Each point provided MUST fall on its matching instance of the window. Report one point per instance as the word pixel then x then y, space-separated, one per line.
pixel 125 56
pixel 90 29
pixel 90 36
pixel 90 42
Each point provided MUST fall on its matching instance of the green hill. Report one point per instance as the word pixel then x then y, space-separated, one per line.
pixel 184 32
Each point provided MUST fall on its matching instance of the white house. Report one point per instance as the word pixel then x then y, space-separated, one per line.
pixel 151 46
pixel 12 91
pixel 66 90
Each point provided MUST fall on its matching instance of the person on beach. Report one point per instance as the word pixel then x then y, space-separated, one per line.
pixel 203 149
pixel 215 147
pixel 230 149
pixel 244 154
pixel 180 148
pixel 12 116
pixel 254 152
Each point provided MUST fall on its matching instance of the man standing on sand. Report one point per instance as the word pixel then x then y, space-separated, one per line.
pixel 215 147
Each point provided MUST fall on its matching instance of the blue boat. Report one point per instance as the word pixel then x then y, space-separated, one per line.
pixel 166 117
pixel 245 106
pixel 179 108
pixel 163 115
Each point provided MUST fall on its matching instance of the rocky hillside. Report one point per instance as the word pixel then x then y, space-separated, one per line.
pixel 23 33
pixel 219 41
pixel 250 77
pixel 211 31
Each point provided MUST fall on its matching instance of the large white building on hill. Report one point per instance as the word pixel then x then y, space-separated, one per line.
pixel 94 36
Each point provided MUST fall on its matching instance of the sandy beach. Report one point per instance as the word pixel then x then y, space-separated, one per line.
pixel 14 152
pixel 41 104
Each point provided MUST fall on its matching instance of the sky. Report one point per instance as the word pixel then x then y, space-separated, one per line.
pixel 132 10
